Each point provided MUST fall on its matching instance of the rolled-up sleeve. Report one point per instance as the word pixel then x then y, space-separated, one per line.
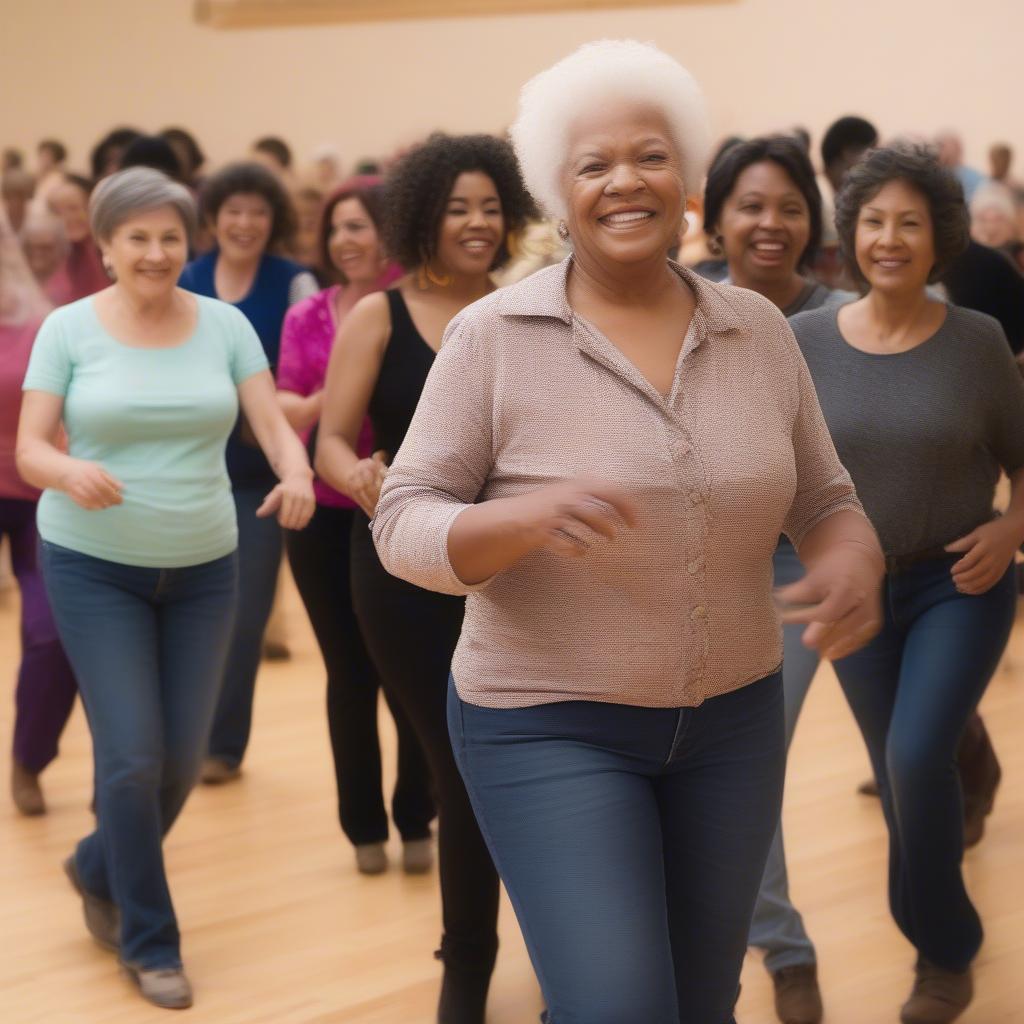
pixel 442 465
pixel 823 486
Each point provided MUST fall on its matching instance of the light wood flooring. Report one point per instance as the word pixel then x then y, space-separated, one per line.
pixel 280 929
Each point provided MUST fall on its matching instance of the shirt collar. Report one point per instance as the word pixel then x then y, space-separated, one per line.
pixel 543 294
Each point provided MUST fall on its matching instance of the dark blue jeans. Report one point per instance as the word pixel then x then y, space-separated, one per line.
pixel 912 690
pixel 631 842
pixel 260 546
pixel 148 648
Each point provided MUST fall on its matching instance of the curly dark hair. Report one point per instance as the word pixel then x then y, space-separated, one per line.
pixel 250 178
pixel 919 167
pixel 369 191
pixel 418 187
pixel 781 150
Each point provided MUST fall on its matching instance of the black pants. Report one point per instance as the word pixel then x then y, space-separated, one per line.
pixel 411 635
pixel 320 561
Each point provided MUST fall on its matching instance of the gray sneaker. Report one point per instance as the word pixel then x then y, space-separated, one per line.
pixel 102 917
pixel 417 856
pixel 166 987
pixel 371 858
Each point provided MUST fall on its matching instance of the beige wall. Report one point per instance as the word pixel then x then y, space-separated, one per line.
pixel 73 68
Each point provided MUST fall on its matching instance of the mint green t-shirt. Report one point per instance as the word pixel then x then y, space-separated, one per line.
pixel 157 419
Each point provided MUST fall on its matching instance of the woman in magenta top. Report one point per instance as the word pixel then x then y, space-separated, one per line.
pixel 46 687
pixel 351 253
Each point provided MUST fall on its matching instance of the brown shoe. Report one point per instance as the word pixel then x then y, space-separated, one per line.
pixel 869 787
pixel 166 987
pixel 102 917
pixel 980 775
pixel 938 996
pixel 25 791
pixel 216 772
pixel 797 996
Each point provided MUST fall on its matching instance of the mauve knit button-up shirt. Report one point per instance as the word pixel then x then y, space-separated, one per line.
pixel 526 393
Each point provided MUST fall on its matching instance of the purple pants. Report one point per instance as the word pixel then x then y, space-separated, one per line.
pixel 46 685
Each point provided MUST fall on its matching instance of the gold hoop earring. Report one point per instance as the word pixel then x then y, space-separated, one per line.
pixel 427 277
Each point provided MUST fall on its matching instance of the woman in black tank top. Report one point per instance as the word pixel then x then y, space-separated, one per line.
pixel 451 204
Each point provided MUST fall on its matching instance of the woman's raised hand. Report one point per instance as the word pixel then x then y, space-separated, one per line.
pixel 292 501
pixel 365 479
pixel 839 598
pixel 561 517
pixel 90 486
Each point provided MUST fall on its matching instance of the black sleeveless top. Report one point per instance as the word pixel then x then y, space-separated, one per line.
pixel 403 372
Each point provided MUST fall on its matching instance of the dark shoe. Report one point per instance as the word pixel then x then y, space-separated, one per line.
pixel 980 775
pixel 216 772
pixel 102 917
pixel 25 791
pixel 166 987
pixel 869 787
pixel 938 996
pixel 797 996
pixel 371 858
pixel 274 650
pixel 464 986
pixel 417 856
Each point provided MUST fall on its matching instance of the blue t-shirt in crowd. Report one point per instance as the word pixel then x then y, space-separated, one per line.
pixel 265 306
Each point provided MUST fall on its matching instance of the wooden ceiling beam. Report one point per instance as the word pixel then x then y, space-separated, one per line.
pixel 279 13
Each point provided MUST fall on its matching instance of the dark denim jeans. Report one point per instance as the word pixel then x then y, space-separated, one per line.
pixel 260 546
pixel 912 690
pixel 148 648
pixel 631 841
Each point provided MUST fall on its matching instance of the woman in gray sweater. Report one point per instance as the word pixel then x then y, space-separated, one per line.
pixel 925 407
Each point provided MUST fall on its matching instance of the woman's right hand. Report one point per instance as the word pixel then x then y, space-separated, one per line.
pixel 365 479
pixel 90 486
pixel 560 517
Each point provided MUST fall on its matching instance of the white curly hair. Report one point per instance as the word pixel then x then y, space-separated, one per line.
pixel 596 73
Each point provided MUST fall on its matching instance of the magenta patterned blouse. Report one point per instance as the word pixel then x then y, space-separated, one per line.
pixel 306 340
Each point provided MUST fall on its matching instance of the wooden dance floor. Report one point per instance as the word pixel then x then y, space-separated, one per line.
pixel 280 929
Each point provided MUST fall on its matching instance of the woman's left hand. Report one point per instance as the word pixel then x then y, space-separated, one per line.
pixel 292 500
pixel 839 598
pixel 987 554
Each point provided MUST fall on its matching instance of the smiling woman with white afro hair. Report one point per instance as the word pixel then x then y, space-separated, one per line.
pixel 597 73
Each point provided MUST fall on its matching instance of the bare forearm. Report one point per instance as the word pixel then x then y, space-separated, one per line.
pixel 334 460
pixel 286 454
pixel 487 538
pixel 846 527
pixel 301 411
pixel 41 464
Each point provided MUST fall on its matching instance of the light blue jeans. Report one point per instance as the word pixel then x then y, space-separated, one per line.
pixel 778 928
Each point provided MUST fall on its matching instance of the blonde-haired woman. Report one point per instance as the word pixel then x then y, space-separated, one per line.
pixel 603 458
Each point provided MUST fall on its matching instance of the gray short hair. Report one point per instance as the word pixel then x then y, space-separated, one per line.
pixel 611 69
pixel 126 193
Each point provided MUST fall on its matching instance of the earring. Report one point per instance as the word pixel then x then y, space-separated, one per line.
pixel 563 231
pixel 108 267
pixel 426 277
pixel 715 245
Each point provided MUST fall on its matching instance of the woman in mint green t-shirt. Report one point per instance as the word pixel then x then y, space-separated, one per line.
pixel 138 537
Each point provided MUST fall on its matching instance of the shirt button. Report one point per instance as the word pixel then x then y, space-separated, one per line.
pixel 698 613
pixel 695 566
pixel 695 498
